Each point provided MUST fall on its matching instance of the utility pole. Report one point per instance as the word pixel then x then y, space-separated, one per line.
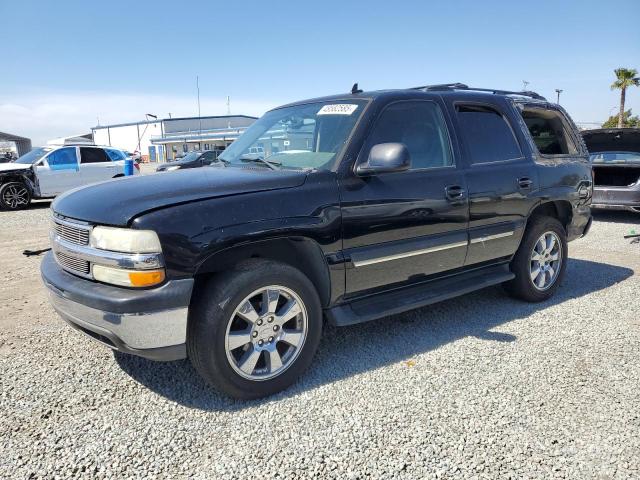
pixel 558 92
pixel 199 119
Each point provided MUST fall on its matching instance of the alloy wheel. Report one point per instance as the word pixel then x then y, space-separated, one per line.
pixel 15 196
pixel 546 261
pixel 266 333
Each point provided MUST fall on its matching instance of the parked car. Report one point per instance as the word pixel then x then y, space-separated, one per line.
pixel 49 171
pixel 7 157
pixel 615 157
pixel 193 159
pixel 403 198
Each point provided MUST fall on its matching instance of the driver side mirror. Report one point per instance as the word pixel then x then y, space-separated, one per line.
pixel 385 158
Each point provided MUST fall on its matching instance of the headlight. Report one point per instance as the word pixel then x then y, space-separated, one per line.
pixel 128 278
pixel 171 169
pixel 125 240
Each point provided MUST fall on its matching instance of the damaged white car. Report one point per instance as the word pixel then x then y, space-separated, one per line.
pixel 46 172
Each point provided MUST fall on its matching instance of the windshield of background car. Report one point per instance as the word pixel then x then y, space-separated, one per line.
pixel 308 136
pixel 190 156
pixel 615 157
pixel 33 156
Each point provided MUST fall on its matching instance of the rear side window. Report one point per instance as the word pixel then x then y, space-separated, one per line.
pixel 115 155
pixel 93 155
pixel 63 159
pixel 488 134
pixel 420 127
pixel 549 131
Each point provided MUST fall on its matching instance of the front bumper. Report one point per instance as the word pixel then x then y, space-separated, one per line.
pixel 148 323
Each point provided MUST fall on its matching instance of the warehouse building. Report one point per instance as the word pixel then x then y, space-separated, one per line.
pixel 21 145
pixel 161 140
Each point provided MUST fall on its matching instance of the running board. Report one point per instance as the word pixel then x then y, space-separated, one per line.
pixel 416 296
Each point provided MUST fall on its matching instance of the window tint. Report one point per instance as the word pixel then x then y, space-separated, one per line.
pixel 420 127
pixel 63 159
pixel 93 155
pixel 549 131
pixel 488 135
pixel 115 155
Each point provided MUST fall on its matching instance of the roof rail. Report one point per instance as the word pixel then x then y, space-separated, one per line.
pixel 462 86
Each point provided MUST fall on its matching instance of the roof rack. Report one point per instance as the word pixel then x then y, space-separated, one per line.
pixel 462 86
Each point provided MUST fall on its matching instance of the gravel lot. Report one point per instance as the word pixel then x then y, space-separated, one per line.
pixel 477 387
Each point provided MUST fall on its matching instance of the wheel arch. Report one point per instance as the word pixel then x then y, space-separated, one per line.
pixel 299 252
pixel 559 209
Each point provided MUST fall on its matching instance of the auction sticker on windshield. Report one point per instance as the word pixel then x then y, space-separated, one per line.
pixel 338 109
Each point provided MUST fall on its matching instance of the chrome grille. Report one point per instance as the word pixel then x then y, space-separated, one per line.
pixel 73 264
pixel 71 233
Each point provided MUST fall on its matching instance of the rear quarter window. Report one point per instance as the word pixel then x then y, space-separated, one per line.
pixel 549 131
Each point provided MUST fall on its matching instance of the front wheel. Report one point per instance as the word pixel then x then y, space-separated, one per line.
pixel 540 262
pixel 14 196
pixel 254 330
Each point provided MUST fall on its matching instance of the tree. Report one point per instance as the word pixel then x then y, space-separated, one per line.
pixel 626 77
pixel 627 121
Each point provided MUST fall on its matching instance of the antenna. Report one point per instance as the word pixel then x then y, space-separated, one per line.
pixel 228 105
pixel 355 89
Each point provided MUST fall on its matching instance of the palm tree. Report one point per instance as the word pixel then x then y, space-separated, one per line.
pixel 626 77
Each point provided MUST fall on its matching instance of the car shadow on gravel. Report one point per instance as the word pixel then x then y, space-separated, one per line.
pixel 39 204
pixel 348 351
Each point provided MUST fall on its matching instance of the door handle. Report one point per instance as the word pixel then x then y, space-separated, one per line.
pixel 525 182
pixel 454 192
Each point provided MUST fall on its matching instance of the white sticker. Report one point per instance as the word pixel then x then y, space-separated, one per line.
pixel 338 109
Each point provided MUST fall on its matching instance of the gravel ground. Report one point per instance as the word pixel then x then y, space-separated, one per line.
pixel 478 387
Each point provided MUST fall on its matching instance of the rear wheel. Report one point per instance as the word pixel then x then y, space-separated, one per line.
pixel 540 262
pixel 14 196
pixel 254 330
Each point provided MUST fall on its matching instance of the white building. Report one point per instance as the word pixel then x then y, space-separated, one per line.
pixel 164 139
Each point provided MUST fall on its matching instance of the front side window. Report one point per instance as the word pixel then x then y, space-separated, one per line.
pixel 418 125
pixel 488 135
pixel 549 131
pixel 93 155
pixel 63 159
pixel 308 136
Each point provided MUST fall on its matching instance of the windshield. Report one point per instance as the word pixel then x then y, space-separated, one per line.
pixel 615 157
pixel 33 156
pixel 304 137
pixel 190 156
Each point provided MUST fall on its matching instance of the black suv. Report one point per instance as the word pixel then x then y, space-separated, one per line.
pixel 357 207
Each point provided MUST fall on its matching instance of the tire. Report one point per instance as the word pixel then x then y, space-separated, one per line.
pixel 525 267
pixel 219 313
pixel 14 196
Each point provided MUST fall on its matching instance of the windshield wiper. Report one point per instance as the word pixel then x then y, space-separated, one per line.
pixel 272 165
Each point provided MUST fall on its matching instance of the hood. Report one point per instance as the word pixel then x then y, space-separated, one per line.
pixel 612 140
pixel 6 167
pixel 116 202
